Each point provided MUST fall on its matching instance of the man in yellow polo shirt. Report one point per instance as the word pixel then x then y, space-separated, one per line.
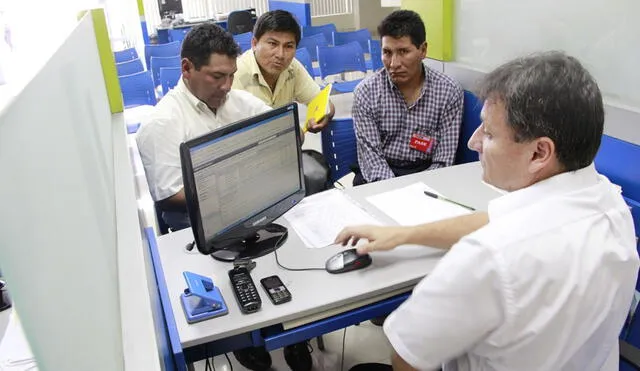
pixel 269 70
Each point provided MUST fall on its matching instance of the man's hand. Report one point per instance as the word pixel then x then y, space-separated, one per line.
pixel 380 238
pixel 316 127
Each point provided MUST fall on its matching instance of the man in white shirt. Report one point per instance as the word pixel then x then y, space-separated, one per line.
pixel 544 280
pixel 201 102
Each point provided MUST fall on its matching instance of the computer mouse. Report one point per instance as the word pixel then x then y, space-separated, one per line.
pixel 346 261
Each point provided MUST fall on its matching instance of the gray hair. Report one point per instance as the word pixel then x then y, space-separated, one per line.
pixel 550 95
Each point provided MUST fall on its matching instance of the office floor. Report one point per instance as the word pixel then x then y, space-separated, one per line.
pixel 363 343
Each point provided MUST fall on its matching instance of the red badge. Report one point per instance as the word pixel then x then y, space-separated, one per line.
pixel 421 143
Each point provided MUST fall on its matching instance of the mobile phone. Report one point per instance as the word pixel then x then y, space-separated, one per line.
pixel 276 290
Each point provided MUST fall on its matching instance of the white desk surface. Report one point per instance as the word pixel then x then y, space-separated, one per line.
pixel 314 292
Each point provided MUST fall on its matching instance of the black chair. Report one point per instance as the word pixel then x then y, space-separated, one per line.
pixel 240 21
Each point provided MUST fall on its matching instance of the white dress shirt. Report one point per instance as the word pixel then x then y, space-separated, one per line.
pixel 546 285
pixel 178 117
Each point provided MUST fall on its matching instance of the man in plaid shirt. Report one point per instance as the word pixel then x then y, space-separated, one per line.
pixel 407 117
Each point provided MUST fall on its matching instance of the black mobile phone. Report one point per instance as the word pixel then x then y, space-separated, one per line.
pixel 277 291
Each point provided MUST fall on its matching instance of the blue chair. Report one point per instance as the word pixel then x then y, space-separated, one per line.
pixel 361 36
pixel 619 161
pixel 339 147
pixel 470 122
pixel 312 42
pixel 375 52
pixel 125 55
pixel 178 34
pixel 169 77
pixel 138 89
pixel 339 59
pixel 326 29
pixel 244 40
pixel 161 50
pixel 129 67
pixel 303 56
pixel 159 62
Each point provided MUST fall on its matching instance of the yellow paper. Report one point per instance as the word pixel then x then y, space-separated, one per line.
pixel 318 107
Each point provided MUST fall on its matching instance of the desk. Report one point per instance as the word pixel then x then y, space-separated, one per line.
pixel 315 293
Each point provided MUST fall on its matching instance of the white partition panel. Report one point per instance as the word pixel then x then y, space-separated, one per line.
pixel 58 240
pixel 605 35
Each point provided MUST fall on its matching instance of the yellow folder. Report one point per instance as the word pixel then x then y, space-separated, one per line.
pixel 319 106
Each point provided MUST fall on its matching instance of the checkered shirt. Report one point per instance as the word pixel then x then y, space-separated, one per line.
pixel 384 124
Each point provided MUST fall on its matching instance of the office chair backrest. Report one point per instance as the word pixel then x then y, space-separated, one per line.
pixel 311 42
pixel 240 21
pixel 338 59
pixel 326 29
pixel 619 161
pixel 303 56
pixel 470 122
pixel 244 40
pixel 169 77
pixel 339 147
pixel 375 51
pixel 159 62
pixel 361 36
pixel 161 50
pixel 129 67
pixel 138 89
pixel 125 55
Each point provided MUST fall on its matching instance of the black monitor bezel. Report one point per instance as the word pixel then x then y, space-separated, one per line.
pixel 190 192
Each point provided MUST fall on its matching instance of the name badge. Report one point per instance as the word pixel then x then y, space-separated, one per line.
pixel 421 143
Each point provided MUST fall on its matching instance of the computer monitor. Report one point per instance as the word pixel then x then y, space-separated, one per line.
pixel 169 8
pixel 239 179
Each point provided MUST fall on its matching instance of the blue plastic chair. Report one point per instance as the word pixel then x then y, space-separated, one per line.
pixel 178 34
pixel 159 62
pixel 125 55
pixel 312 42
pixel 303 56
pixel 470 122
pixel 339 147
pixel 326 29
pixel 339 59
pixel 362 36
pixel 375 52
pixel 244 40
pixel 138 89
pixel 169 77
pixel 129 67
pixel 161 50
pixel 619 161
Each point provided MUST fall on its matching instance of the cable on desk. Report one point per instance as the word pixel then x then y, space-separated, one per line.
pixel 275 252
pixel 228 360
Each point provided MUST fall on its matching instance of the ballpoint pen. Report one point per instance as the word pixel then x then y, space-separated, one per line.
pixel 434 195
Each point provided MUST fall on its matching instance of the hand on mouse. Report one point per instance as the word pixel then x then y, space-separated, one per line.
pixel 380 238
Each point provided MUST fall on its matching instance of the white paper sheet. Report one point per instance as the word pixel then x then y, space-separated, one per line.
pixel 410 206
pixel 15 353
pixel 319 218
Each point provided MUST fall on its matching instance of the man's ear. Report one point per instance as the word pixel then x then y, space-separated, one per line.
pixel 186 67
pixel 254 42
pixel 423 50
pixel 543 154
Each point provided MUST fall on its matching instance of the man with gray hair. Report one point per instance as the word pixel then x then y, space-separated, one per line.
pixel 544 280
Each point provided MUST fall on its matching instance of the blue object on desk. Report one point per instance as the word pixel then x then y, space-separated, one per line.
pixel 202 299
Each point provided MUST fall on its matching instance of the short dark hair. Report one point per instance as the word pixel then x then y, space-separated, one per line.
pixel 403 23
pixel 206 39
pixel 278 21
pixel 551 95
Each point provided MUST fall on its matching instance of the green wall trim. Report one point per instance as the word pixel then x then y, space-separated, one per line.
pixel 437 16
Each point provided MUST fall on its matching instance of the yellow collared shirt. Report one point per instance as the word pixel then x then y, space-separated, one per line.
pixel 294 83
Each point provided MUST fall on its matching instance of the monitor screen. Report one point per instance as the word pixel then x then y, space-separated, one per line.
pixel 168 8
pixel 240 178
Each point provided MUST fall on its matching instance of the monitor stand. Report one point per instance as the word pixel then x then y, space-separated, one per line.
pixel 266 240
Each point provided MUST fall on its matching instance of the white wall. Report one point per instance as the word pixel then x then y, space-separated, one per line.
pixel 58 217
pixel 369 14
pixel 604 35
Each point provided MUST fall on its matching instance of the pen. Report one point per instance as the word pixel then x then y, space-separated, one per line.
pixel 434 195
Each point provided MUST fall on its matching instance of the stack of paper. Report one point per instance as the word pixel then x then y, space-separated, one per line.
pixel 15 353
pixel 319 218
pixel 410 206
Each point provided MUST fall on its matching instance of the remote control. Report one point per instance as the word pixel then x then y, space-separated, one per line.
pixel 245 290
